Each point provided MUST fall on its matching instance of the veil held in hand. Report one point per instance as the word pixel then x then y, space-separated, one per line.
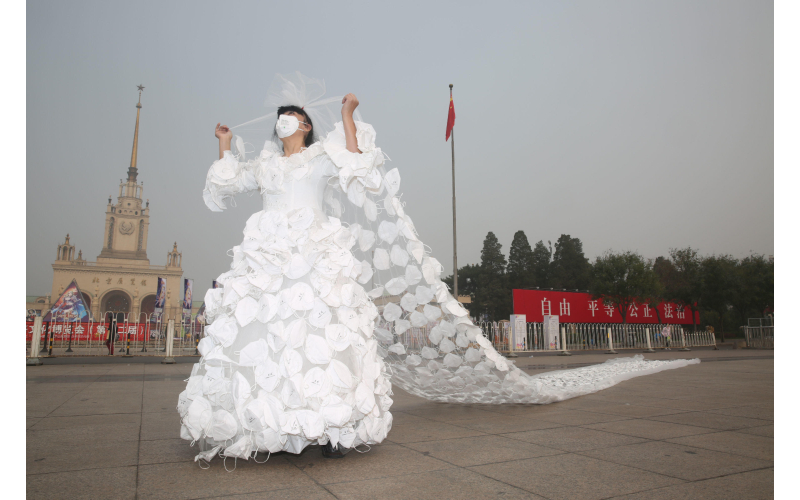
pixel 290 89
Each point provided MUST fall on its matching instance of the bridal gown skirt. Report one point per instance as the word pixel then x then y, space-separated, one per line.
pixel 297 352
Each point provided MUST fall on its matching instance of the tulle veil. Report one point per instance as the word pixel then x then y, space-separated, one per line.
pixel 425 336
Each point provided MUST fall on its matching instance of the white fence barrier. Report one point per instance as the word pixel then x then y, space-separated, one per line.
pixel 144 334
pixel 760 337
pixel 595 336
pixel 579 337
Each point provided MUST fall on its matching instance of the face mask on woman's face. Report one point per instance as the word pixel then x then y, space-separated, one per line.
pixel 287 125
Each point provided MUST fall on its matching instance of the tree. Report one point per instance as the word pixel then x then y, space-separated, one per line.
pixel 540 265
pixel 686 285
pixel 570 269
pixel 492 295
pixel 754 287
pixel 619 279
pixel 467 284
pixel 520 262
pixel 656 295
pixel 665 272
pixel 718 275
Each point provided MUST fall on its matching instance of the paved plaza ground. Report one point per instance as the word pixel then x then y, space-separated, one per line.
pixel 110 430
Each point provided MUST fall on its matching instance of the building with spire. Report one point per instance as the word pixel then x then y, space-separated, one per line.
pixel 121 279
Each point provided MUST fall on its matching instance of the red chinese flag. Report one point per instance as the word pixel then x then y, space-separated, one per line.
pixel 451 119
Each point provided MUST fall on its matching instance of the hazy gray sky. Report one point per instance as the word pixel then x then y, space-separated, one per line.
pixel 632 125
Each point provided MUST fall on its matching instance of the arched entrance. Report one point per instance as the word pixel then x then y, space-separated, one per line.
pixel 116 301
pixel 148 305
pixel 87 299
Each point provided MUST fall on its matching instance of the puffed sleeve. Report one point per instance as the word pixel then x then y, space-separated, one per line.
pixel 226 178
pixel 357 173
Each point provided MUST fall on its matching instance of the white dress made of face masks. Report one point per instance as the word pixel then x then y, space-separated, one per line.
pixel 331 299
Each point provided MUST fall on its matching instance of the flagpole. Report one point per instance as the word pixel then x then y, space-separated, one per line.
pixel 455 246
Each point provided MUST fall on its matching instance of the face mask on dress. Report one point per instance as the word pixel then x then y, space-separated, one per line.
pixel 287 125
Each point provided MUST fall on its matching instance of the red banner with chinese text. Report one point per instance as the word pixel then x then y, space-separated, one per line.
pixel 576 307
pixel 94 331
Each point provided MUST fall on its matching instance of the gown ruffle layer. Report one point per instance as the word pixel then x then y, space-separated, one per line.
pixel 296 351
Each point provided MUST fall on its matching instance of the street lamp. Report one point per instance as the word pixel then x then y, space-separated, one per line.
pixel 69 346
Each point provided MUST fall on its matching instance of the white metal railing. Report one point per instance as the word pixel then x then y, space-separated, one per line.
pixel 578 337
pixel 595 336
pixel 145 335
pixel 142 334
pixel 760 337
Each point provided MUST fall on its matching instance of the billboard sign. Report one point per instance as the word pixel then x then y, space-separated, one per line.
pixel 576 307
pixel 69 306
pixel 161 297
pixel 187 300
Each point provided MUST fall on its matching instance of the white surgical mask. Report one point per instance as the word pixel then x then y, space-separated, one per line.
pixel 287 125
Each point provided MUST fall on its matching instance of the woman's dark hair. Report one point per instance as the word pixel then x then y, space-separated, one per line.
pixel 311 137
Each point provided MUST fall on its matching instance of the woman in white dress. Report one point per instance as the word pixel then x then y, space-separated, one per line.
pixel 297 352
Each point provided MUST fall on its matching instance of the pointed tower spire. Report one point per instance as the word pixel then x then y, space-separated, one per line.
pixel 132 171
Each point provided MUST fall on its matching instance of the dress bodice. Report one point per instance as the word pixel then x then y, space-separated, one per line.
pixel 303 186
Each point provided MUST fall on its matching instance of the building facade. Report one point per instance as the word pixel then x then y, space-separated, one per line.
pixel 122 278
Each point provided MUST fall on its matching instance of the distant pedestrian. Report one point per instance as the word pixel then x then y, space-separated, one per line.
pixel 112 333
pixel 666 332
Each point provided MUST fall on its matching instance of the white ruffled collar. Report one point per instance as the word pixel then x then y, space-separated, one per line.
pixel 297 160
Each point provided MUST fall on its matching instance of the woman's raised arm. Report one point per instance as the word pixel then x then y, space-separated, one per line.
pixel 349 105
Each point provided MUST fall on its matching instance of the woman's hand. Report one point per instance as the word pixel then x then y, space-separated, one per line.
pixel 222 132
pixel 349 104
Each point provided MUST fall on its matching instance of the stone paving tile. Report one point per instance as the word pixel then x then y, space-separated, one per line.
pixel 167 451
pixel 31 421
pixel 165 425
pixel 405 401
pixel 764 412
pixel 710 420
pixel 103 401
pixel 632 410
pixel 520 410
pixel 451 413
pixel 384 460
pixel 303 493
pixel 737 443
pixel 176 369
pixel 701 404
pixel 574 438
pixel 95 484
pixel 649 429
pixel 428 431
pixel 573 477
pixel 501 424
pixel 54 385
pixel 580 417
pixel 680 392
pixel 579 403
pixel 123 426
pixel 624 398
pixel 64 452
pixel 766 431
pixel 481 450
pixel 452 484
pixel 403 418
pixel 162 395
pixel 79 430
pixel 684 462
pixel 187 480
pixel 753 485
pixel 44 403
